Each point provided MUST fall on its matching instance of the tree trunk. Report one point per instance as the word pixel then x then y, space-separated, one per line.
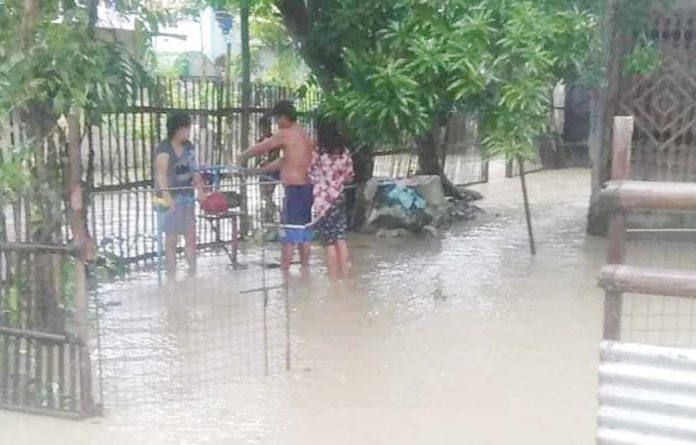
pixel 605 106
pixel 44 214
pixel 429 154
pixel 363 164
pixel 297 17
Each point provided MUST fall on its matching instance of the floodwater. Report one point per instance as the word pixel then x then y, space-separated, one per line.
pixel 462 340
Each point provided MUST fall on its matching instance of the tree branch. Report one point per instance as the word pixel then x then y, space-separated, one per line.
pixel 296 18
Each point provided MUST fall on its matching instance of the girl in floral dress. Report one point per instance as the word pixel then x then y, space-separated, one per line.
pixel 332 169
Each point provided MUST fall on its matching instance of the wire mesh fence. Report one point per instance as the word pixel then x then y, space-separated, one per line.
pixel 461 168
pixel 463 161
pixel 659 320
pixel 159 342
pixel 396 164
pixel 179 341
pixel 124 223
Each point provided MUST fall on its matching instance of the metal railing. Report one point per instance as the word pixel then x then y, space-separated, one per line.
pixel 646 387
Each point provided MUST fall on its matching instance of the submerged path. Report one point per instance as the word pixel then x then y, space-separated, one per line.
pixel 461 340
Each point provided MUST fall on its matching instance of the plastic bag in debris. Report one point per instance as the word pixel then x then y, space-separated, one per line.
pixel 408 197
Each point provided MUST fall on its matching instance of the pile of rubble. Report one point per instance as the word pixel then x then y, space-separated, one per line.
pixel 396 208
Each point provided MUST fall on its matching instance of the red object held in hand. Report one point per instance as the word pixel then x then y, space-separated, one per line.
pixel 215 204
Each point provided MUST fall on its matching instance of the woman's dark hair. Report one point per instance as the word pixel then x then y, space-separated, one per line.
pixel 176 121
pixel 331 140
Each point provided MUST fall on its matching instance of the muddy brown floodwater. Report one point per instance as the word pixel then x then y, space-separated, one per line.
pixel 463 340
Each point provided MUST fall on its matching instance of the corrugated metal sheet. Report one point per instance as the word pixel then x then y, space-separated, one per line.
pixel 647 395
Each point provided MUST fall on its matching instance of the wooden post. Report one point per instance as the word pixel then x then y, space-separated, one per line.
pixel 616 238
pixel 81 241
pixel 527 209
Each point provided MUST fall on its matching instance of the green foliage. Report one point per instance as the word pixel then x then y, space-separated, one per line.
pixel 535 48
pixel 60 64
pixel 644 60
pixel 257 7
pixel 498 58
pixel 14 173
pixel 12 303
pixel 268 33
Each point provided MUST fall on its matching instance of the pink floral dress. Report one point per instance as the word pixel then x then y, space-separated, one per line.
pixel 329 175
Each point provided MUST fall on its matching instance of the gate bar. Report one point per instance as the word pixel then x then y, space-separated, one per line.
pixel 648 281
pixel 39 248
pixel 665 196
pixel 35 335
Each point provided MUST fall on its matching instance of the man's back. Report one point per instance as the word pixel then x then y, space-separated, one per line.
pixel 298 148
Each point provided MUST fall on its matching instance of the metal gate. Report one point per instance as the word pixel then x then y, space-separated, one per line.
pixel 117 150
pixel 647 380
pixel 44 362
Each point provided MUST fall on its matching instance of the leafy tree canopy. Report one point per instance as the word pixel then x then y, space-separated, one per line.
pixel 51 61
pixel 430 58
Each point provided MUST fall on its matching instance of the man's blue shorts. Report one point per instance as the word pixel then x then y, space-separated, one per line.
pixel 297 211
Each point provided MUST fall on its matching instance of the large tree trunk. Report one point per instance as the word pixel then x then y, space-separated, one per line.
pixel 429 148
pixel 44 201
pixel 363 164
pixel 298 17
pixel 605 106
pixel 326 66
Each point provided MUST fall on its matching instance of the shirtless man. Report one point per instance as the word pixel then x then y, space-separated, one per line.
pixel 294 165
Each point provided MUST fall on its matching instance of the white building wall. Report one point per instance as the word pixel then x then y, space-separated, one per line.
pixel 203 34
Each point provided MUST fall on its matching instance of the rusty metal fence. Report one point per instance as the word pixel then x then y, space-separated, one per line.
pixel 646 382
pixel 82 330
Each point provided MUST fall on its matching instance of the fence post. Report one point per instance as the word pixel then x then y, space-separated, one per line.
pixel 246 104
pixel 616 238
pixel 81 241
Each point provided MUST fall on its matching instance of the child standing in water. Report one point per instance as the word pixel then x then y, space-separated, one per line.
pixel 331 170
